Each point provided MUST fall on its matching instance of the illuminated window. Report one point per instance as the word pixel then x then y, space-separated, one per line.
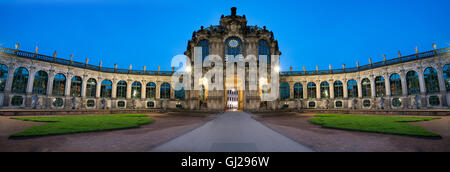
pixel 121 89
pixel 431 80
pixel 446 74
pixel 352 87
pixel 136 89
pixel 298 91
pixel 150 91
pixel 284 91
pixel 106 89
pixel 205 48
pixel 165 91
pixel 3 76
pixel 412 82
pixel 91 88
pixel 324 90
pixel 264 49
pixel 396 85
pixel 20 80
pixel 338 89
pixel 75 86
pixel 40 83
pixel 380 86
pixel 59 84
pixel 366 89
pixel 311 90
pixel 233 46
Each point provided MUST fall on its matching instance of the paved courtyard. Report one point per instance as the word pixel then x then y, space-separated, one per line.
pixel 232 132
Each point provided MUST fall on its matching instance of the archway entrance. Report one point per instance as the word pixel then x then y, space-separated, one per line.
pixel 234 93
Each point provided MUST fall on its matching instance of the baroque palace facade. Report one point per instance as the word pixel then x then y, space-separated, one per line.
pixel 34 81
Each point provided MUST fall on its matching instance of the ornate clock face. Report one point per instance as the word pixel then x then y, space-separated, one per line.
pixel 233 43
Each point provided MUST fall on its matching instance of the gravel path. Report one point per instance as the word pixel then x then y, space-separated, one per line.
pixel 232 132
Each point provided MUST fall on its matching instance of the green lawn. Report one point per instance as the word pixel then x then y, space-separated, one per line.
pixel 377 124
pixel 80 124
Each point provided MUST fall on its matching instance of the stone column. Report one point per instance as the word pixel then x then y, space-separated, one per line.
pixel 372 87
pixel 172 92
pixel 404 84
pixel 318 90
pixel 30 82
pixel 359 87
pixel 305 90
pixel 331 89
pixel 442 88
pixel 291 90
pixel 68 85
pixel 51 77
pixel 345 88
pixel 114 89
pixel 423 89
pixel 387 85
pixel 130 82
pixel 98 89
pixel 158 90
pixel 83 86
pixel 9 80
pixel 144 90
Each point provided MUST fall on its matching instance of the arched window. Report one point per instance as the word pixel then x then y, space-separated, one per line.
pixel 324 90
pixel 396 84
pixel 136 89
pixel 59 84
pixel 150 91
pixel 40 83
pixel 412 82
pixel 285 92
pixel 446 75
pixel 264 49
pixel 431 80
pixel 20 80
pixel 233 46
pixel 338 89
pixel 366 89
pixel 106 89
pixel 205 48
pixel 311 90
pixel 179 91
pixel 165 91
pixel 91 88
pixel 298 91
pixel 3 76
pixel 121 89
pixel 75 86
pixel 352 87
pixel 380 86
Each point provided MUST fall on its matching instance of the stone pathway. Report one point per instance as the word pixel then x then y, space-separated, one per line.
pixel 232 132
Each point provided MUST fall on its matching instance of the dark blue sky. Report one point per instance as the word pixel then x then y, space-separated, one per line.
pixel 310 33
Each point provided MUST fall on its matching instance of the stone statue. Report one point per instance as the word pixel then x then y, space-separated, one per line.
pixel 381 103
pixel 35 102
pixel 103 101
pixel 299 105
pixel 74 103
pixel 134 103
pixel 354 104
pixel 326 104
pixel 416 102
